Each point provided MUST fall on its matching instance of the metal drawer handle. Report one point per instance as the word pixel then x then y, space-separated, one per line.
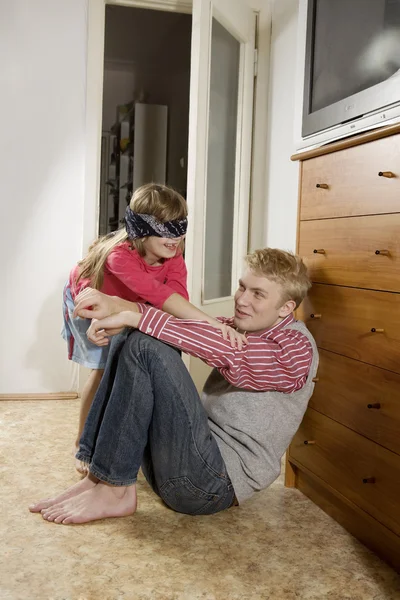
pixel 319 251
pixel 382 252
pixel 387 174
pixel 323 186
pixel 376 330
pixel 376 405
pixel 314 316
pixel 368 480
pixel 309 442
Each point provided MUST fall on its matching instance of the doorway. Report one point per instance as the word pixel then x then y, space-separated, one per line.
pixel 145 109
pixel 222 68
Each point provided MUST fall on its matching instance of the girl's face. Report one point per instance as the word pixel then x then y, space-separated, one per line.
pixel 158 248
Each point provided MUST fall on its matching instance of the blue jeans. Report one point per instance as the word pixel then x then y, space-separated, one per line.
pixel 147 412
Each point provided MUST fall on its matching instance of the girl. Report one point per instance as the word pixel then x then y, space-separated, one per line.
pixel 142 262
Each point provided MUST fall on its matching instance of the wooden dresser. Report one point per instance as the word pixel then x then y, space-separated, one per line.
pixel 346 454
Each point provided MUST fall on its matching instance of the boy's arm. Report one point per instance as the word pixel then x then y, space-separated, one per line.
pixel 277 360
pixel 93 304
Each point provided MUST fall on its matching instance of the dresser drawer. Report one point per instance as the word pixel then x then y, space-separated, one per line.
pixel 361 470
pixel 360 396
pixel 348 251
pixel 341 320
pixel 354 184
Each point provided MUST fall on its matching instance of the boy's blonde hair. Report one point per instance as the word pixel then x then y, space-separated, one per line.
pixel 161 201
pixel 285 268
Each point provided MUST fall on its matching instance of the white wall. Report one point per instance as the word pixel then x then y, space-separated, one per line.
pixel 274 195
pixel 42 71
pixel 281 192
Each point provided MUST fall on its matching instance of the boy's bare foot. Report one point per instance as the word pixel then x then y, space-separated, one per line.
pixel 74 490
pixel 98 502
pixel 80 466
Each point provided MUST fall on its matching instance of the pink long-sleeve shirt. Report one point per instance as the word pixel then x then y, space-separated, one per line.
pixel 128 276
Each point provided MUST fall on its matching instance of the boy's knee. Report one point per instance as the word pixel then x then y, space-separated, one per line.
pixel 141 343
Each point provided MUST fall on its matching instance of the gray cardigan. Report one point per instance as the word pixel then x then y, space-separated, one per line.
pixel 254 429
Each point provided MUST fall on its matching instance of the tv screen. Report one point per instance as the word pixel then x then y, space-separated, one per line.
pixel 352 60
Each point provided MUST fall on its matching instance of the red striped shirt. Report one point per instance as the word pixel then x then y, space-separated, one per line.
pixel 274 359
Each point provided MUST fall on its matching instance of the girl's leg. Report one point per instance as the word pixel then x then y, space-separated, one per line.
pixel 88 393
pixel 87 354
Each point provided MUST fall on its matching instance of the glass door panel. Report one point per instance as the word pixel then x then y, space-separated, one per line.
pixel 221 162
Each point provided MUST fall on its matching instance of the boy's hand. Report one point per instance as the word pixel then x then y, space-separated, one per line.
pixel 92 304
pixel 101 330
pixel 237 340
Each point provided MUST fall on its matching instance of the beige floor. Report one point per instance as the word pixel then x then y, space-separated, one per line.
pixel 277 546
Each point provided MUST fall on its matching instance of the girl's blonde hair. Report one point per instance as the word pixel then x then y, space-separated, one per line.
pixel 161 201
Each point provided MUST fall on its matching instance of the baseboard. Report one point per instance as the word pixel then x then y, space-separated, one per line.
pixel 58 396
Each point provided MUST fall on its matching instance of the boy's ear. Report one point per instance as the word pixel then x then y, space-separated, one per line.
pixel 287 308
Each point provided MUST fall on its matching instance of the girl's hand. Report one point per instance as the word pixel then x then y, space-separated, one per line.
pixel 237 340
pixel 101 330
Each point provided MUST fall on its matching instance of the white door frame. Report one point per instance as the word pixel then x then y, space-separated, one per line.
pixel 94 109
pixel 94 101
pixel 93 130
pixel 198 170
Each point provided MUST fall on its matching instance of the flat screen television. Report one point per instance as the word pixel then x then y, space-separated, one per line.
pixel 351 67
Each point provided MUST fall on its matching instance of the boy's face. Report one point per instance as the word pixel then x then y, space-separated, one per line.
pixel 258 303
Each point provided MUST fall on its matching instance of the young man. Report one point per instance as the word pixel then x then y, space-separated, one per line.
pixel 203 455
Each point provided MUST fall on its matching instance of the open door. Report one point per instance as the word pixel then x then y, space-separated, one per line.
pixel 219 158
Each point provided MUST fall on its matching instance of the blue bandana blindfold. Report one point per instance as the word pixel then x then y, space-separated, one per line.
pixel 141 225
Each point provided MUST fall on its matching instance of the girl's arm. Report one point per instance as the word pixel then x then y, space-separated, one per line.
pixel 126 266
pixel 177 276
pixel 93 304
pixel 178 304
pixel 178 307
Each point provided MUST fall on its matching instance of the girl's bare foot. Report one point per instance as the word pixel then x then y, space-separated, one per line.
pixel 80 466
pixel 74 490
pixel 99 502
